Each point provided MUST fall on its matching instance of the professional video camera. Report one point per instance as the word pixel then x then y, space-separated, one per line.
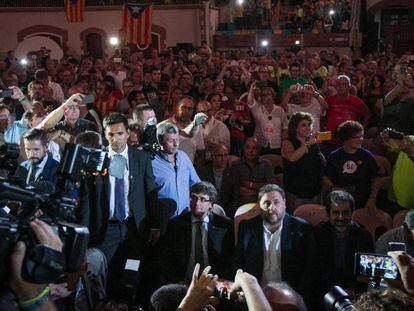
pixel 338 300
pixel 148 138
pixel 43 264
pixel 8 156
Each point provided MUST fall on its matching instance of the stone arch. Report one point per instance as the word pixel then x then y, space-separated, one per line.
pixel 83 35
pixel 55 32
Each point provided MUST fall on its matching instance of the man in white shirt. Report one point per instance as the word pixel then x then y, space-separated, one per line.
pixel 214 131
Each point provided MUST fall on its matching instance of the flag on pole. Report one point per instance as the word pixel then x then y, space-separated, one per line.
pixel 137 22
pixel 74 10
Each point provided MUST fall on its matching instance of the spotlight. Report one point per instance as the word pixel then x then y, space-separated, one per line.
pixel 264 43
pixel 240 2
pixel 331 12
pixel 113 41
pixel 297 42
pixel 23 62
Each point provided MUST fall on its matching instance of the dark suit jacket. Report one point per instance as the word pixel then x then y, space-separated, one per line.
pixel 46 182
pixel 359 240
pixel 229 191
pixel 297 251
pixel 176 246
pixel 142 197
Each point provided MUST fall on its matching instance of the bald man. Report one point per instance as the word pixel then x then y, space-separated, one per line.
pixel 251 172
pixel 219 174
pixel 283 297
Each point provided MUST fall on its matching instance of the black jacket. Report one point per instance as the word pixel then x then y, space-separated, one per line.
pixel 142 197
pixel 176 247
pixel 358 240
pixel 229 192
pixel 297 251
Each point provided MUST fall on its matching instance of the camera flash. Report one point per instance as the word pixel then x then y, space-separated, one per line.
pixel 264 43
pixel 331 12
pixel 23 61
pixel 297 42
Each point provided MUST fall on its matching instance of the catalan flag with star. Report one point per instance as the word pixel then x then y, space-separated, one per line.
pixel 74 10
pixel 137 22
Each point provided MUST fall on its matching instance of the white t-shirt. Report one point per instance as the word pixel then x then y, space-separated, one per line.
pixel 313 109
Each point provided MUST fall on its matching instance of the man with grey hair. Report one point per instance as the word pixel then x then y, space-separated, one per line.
pixel 173 170
pixel 197 236
pixel 283 297
pixel 402 234
pixel 344 107
pixel 275 246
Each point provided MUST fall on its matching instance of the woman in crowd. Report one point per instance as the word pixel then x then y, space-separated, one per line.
pixel 352 168
pixel 270 121
pixel 302 163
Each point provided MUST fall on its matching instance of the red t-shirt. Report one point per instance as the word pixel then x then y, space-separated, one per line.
pixel 341 110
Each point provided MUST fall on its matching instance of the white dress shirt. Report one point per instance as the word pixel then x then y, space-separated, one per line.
pixel 272 256
pixel 112 184
pixel 39 169
pixel 204 239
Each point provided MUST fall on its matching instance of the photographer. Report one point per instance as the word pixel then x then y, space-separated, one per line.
pixel 398 107
pixel 31 296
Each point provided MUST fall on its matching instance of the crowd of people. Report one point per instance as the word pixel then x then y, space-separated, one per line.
pixel 189 135
pixel 289 17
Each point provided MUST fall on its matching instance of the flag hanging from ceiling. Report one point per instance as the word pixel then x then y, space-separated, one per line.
pixel 137 22
pixel 74 10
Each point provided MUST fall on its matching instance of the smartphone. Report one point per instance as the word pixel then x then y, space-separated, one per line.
pixel 396 246
pixel 88 99
pixel 395 135
pixel 375 265
pixel 324 136
pixel 6 93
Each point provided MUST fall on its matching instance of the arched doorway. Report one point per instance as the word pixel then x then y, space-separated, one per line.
pixel 94 45
pixel 146 49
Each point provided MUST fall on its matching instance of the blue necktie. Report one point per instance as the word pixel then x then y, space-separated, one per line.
pixel 120 208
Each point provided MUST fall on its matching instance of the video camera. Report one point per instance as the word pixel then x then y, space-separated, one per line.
pixel 148 138
pixel 43 264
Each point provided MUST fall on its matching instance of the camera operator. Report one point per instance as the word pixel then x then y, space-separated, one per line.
pixel 31 296
pixel 144 117
pixel 40 168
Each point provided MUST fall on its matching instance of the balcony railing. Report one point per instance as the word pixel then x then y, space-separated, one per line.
pixel 60 3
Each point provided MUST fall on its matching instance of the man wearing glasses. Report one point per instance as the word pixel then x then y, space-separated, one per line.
pixel 197 236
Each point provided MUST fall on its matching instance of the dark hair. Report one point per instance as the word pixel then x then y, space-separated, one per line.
pixel 294 121
pixel 211 95
pixel 338 197
pixel 206 188
pixel 37 134
pixel 165 128
pixel 294 64
pixel 41 74
pixel 269 188
pixel 3 106
pixel 133 95
pixel 109 79
pixel 389 299
pixel 115 118
pixel 348 129
pixel 409 219
pixel 83 78
pixel 168 297
pixel 28 115
pixel 139 109
pixel 89 139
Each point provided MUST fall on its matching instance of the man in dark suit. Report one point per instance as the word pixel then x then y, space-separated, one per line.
pixel 122 205
pixel 275 246
pixel 219 174
pixel 39 170
pixel 198 236
pixel 338 240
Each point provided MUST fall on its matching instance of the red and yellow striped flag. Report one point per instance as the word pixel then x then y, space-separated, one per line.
pixel 74 10
pixel 137 23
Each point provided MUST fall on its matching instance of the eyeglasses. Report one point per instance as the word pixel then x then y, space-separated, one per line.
pixel 194 198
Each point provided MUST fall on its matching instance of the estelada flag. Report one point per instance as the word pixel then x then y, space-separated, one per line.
pixel 74 10
pixel 137 22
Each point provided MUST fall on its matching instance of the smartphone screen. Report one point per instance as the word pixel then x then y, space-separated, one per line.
pixel 374 265
pixel 6 93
